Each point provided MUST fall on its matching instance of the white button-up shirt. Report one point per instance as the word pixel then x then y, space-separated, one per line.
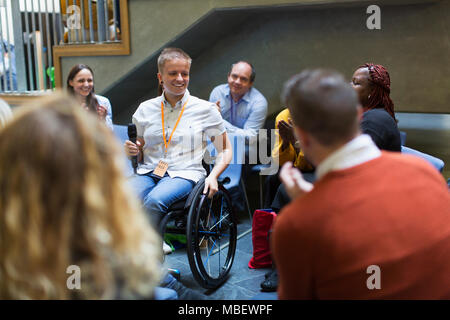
pixel 185 151
pixel 359 150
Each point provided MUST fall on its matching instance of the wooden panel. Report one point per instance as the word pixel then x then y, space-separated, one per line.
pixel 19 99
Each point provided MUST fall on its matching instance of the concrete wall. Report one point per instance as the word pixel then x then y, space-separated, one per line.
pixel 413 44
pixel 153 23
pixel 429 133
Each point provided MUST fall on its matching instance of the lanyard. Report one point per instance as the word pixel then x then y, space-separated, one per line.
pixel 166 143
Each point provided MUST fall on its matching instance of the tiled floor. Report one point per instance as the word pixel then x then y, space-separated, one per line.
pixel 243 282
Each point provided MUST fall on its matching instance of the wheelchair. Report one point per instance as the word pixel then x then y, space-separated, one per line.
pixel 211 233
pixel 210 229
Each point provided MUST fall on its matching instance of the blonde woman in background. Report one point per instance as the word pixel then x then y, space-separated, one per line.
pixel 64 202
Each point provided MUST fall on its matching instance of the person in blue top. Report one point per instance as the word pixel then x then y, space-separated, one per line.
pixel 244 110
pixel 243 107
pixel 8 77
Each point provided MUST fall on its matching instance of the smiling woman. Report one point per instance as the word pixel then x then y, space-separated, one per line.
pixel 174 78
pixel 169 168
pixel 80 84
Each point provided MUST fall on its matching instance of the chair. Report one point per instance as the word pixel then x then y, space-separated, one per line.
pixel 436 162
pixel 211 228
pixel 402 138
pixel 121 133
pixel 233 173
pixel 234 170
pixel 262 169
pixel 259 169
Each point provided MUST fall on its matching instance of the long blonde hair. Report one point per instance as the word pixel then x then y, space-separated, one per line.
pixel 5 113
pixel 64 201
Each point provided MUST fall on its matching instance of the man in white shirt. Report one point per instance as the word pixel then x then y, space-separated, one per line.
pixel 170 139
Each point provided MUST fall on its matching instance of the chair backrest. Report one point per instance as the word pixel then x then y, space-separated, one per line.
pixel 402 138
pixel 121 132
pixel 436 162
pixel 234 169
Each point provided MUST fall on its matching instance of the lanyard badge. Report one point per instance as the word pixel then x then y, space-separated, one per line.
pixel 162 166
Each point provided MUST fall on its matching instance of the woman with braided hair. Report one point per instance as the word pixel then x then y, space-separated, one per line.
pixel 373 86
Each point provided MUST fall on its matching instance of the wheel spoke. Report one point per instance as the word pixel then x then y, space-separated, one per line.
pixel 209 252
pixel 221 219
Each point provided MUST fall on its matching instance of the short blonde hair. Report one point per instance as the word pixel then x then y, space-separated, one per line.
pixel 171 54
pixel 64 202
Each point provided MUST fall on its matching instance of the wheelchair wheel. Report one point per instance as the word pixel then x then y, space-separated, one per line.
pixel 211 238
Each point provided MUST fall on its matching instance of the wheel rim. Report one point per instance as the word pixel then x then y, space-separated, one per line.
pixel 213 239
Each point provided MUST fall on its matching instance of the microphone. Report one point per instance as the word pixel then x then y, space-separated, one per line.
pixel 132 135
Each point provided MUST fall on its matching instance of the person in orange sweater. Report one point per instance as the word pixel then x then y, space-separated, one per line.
pixel 375 225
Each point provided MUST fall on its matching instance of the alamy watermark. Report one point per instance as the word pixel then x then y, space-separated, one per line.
pixel 374 281
pixel 374 20
pixel 73 17
pixel 246 150
pixel 74 280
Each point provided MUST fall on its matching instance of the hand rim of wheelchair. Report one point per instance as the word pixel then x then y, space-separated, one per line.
pixel 196 201
pixel 195 231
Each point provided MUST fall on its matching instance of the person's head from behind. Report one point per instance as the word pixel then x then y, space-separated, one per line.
pixel 64 202
pixel 373 86
pixel 5 113
pixel 241 78
pixel 174 66
pixel 324 109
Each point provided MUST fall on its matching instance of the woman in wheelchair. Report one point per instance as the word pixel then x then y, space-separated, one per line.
pixel 170 139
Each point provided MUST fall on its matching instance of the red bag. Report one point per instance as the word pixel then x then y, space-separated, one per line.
pixel 262 223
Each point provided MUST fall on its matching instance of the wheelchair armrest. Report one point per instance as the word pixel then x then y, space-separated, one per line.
pixel 224 180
